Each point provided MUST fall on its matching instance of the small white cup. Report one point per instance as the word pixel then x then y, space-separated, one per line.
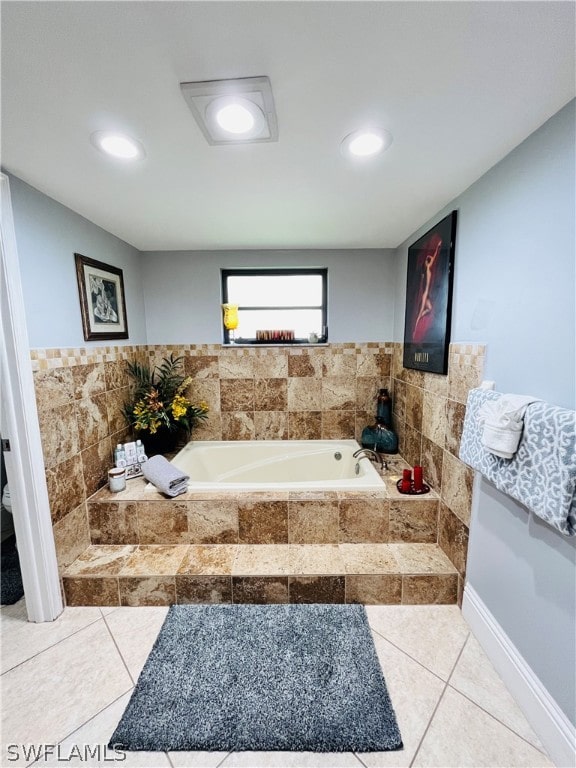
pixel 117 479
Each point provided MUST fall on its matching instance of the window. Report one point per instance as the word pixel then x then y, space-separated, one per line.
pixel 272 300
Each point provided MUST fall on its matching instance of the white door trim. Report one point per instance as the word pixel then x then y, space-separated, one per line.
pixel 19 424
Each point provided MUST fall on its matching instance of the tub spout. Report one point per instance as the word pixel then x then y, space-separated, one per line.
pixel 368 453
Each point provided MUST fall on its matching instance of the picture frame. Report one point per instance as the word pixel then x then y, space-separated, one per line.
pixel 102 299
pixel 429 285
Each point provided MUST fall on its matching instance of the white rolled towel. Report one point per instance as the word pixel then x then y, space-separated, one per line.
pixel 503 424
pixel 165 476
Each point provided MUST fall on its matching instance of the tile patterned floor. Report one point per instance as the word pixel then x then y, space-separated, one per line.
pixel 66 683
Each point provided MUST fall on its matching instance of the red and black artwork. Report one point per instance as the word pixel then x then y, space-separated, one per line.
pixel 429 298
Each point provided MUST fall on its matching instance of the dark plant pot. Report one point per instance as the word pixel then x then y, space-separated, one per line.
pixel 379 438
pixel 162 442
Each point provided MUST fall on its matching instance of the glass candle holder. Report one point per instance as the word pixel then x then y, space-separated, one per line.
pixel 230 319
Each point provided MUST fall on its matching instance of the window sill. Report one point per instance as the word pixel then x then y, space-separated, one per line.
pixel 276 344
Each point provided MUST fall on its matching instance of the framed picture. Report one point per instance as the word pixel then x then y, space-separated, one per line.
pixel 429 298
pixel 102 302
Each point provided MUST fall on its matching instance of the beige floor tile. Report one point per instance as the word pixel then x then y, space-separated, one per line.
pixel 476 678
pixel 463 736
pixel 414 693
pixel 22 639
pixel 57 691
pixel 262 560
pixel 134 631
pixel 434 635
pixel 319 559
pixel 369 558
pixel 154 560
pixel 94 736
pixel 422 558
pixel 196 759
pixel 291 760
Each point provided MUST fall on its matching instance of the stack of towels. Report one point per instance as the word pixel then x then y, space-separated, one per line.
pixel 165 476
pixel 527 449
pixel 504 423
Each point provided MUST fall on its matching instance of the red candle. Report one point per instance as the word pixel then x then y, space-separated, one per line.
pixel 406 484
pixel 417 478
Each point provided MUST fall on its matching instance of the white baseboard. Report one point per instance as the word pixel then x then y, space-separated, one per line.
pixel 549 722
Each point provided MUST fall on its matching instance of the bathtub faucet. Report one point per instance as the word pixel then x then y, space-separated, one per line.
pixel 368 453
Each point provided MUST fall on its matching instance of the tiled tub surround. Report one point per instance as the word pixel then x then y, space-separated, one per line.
pixel 79 394
pixel 429 416
pixel 260 393
pixel 257 393
pixel 370 547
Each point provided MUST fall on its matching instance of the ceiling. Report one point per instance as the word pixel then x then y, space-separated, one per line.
pixel 458 84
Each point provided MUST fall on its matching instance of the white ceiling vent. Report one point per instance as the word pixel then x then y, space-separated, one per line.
pixel 239 111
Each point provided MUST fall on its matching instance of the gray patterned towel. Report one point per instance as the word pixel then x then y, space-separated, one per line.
pixel 165 476
pixel 542 473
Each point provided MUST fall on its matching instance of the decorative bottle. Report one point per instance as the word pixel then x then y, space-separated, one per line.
pixel 384 409
pixel 380 437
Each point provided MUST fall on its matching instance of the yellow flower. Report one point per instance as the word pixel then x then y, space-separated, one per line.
pixel 179 406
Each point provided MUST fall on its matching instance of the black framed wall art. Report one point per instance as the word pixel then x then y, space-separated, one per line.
pixel 429 298
pixel 102 301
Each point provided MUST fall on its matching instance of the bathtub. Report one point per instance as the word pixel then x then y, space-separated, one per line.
pixel 276 465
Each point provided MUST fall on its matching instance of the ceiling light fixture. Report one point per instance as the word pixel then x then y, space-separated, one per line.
pixel 366 143
pixel 239 111
pixel 117 145
pixel 234 118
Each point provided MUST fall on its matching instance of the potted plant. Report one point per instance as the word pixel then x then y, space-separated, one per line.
pixel 160 413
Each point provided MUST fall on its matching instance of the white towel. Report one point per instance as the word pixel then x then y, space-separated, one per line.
pixel 165 476
pixel 503 424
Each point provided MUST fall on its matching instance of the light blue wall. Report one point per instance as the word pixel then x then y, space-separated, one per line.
pixel 514 289
pixel 183 295
pixel 48 234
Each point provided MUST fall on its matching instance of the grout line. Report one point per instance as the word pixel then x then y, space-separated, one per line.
pixel 438 703
pixel 402 650
pixel 490 714
pixel 227 755
pixel 359 760
pixel 37 760
pixel 53 645
pixel 497 719
pixel 509 728
pixel 119 651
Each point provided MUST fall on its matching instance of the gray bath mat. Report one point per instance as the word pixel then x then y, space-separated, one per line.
pixel 261 677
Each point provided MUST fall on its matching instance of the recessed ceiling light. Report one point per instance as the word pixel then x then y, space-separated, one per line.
pixel 232 115
pixel 235 118
pixel 117 145
pixel 366 143
pixel 239 111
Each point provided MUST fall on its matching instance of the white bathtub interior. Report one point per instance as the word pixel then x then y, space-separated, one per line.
pixel 276 464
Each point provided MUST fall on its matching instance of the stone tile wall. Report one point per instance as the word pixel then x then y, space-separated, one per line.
pixel 428 416
pixel 285 393
pixel 79 395
pixel 256 393
pixel 261 393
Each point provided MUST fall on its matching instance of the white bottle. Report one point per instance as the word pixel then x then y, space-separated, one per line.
pixel 119 456
pixel 130 450
pixel 140 455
